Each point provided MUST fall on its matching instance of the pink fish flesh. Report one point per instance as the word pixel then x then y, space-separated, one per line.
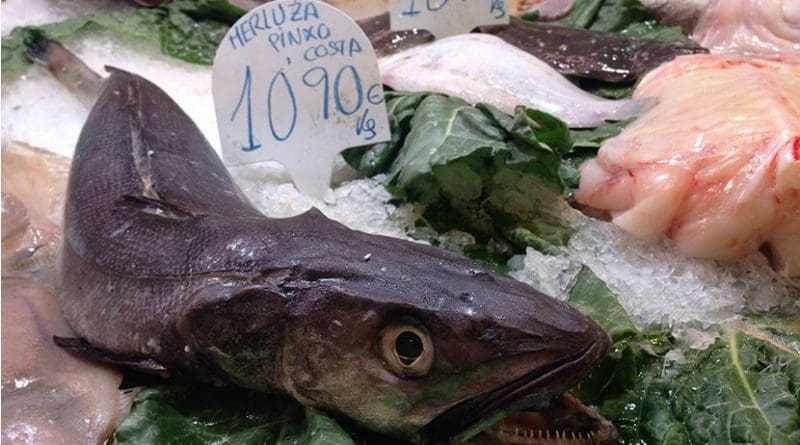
pixel 715 165
pixel 49 396
pixel 484 68
pixel 754 28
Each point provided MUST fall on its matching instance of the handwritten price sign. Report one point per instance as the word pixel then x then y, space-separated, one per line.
pixel 297 82
pixel 444 18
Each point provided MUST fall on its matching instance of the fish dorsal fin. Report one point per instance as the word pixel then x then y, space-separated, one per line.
pixel 161 207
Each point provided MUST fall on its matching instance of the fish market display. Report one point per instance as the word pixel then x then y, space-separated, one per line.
pixel 49 396
pixel 755 28
pixel 715 165
pixel 607 56
pixel 484 68
pixel 166 267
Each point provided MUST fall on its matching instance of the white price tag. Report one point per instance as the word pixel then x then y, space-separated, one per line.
pixel 297 81
pixel 444 18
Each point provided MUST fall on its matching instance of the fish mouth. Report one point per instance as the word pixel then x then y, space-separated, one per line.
pixel 562 421
pixel 534 404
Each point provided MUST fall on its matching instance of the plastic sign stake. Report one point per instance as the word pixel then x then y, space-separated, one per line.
pixel 444 18
pixel 297 81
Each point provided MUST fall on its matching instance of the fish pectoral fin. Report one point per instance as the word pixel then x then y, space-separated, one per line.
pixel 83 348
pixel 160 207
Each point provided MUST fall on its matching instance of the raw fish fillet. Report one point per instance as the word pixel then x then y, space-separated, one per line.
pixel 715 165
pixel 753 28
pixel 484 68
pixel 49 396
pixel 39 179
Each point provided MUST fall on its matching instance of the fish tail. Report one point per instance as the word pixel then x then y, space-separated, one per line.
pixel 67 68
pixel 633 108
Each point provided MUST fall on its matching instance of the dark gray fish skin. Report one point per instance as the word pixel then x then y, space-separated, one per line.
pixel 605 56
pixel 165 263
pixel 387 42
pixel 609 57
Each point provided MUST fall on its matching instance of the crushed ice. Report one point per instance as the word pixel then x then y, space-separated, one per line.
pixel 656 284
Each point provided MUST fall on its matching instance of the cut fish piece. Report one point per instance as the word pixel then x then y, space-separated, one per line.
pixel 49 396
pixel 715 165
pixel 37 178
pixel 484 68
pixel 754 28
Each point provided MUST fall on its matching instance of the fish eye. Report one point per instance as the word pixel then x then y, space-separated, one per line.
pixel 407 349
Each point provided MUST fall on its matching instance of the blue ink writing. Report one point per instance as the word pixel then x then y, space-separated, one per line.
pixel 498 9
pixel 270 110
pixel 375 94
pixel 323 78
pixel 280 39
pixel 366 125
pixel 270 19
pixel 246 96
pixel 333 48
pixel 411 11
pixel 341 99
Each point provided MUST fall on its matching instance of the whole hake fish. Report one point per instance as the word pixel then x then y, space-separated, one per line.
pixel 167 267
pixel 606 56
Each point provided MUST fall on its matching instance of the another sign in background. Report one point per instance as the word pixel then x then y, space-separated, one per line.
pixel 444 18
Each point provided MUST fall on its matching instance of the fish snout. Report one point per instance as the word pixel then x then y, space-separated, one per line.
pixel 563 330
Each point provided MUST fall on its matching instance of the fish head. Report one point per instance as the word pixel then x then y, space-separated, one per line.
pixel 424 344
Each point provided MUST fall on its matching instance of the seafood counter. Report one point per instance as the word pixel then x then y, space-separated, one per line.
pixel 584 229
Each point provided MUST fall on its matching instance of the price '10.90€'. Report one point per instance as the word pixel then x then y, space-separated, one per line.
pixel 297 82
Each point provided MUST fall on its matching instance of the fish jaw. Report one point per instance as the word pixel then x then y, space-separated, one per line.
pixel 498 345
pixel 529 391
